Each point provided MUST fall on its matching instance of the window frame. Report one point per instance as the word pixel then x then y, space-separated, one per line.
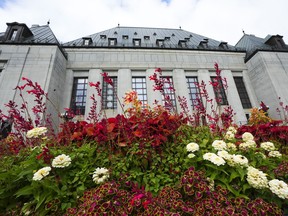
pixel 141 91
pixel 242 91
pixel 223 96
pixel 197 93
pixel 82 96
pixel 112 92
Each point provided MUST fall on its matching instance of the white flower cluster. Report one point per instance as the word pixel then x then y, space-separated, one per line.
pixel 219 145
pixel 237 160
pixel 41 173
pixel 215 159
pixel 191 155
pixel 276 154
pixel 247 136
pixel 231 147
pixel 230 134
pixel 192 147
pixel 280 188
pixel 249 144
pixel 256 178
pixel 224 154
pixel 61 161
pixel 268 146
pixel 36 132
pixel 100 175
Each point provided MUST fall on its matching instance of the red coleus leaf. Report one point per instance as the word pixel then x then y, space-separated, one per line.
pixel 77 136
pixel 110 127
pixel 89 131
pixel 138 133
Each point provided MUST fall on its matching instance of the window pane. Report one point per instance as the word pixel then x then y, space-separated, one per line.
pixel 194 92
pixel 109 94
pixel 139 85
pixel 219 93
pixel 78 100
pixel 244 97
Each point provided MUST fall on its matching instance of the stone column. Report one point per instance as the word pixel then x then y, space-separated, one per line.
pixel 250 89
pixel 93 76
pixel 233 98
pixel 68 89
pixel 152 95
pixel 124 85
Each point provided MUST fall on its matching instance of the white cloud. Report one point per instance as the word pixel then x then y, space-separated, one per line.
pixel 220 20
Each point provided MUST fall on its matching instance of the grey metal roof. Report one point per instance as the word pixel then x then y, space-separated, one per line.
pixel 149 38
pixel 41 34
pixel 253 44
pixel 249 42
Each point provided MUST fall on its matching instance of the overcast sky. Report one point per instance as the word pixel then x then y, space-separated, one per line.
pixel 222 20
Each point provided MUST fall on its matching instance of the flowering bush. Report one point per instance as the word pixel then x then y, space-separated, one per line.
pixel 148 161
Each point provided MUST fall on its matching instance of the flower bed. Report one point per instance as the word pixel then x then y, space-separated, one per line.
pixel 148 161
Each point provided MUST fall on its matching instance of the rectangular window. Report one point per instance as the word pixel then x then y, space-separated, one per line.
pixel 13 34
pixel 242 93
pixel 168 91
pixel 112 41
pixel 109 94
pixel 139 85
pixel 193 91
pixel 219 92
pixel 136 42
pixel 79 93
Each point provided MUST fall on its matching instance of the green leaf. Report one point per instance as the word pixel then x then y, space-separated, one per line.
pixel 25 191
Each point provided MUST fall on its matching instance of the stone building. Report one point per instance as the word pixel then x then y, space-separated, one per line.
pixel 256 69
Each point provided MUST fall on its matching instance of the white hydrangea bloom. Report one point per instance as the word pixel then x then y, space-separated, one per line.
pixel 208 156
pixel 215 159
pixel 100 175
pixel 61 161
pixel 231 147
pixel 250 144
pixel 36 132
pixel 224 154
pixel 229 135
pixel 276 154
pixel 256 178
pixel 191 155
pixel 268 146
pixel 247 136
pixel 41 173
pixel 232 129
pixel 239 160
pixel 219 145
pixel 278 187
pixel 192 147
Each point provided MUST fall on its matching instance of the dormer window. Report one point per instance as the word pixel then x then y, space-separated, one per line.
pixel 167 38
pixel 160 42
pixel 182 43
pixel 87 41
pixel 17 32
pixel 146 37
pixel 125 37
pixel 204 44
pixel 187 39
pixel 112 41
pixel 137 42
pixel 13 35
pixel 102 36
pixel 223 45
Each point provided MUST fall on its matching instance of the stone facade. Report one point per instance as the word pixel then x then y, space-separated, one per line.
pixel 55 67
